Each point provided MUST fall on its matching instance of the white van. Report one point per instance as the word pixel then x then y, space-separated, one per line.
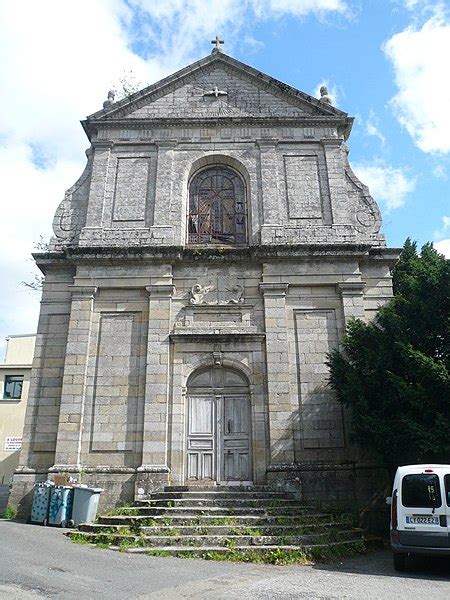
pixel 420 512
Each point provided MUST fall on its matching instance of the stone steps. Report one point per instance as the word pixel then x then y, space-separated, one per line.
pixel 213 510
pixel 279 530
pixel 219 503
pixel 200 522
pixel 224 541
pixel 205 552
pixel 223 488
pixel 195 495
pixel 176 519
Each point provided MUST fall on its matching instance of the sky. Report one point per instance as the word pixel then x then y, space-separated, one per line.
pixel 385 63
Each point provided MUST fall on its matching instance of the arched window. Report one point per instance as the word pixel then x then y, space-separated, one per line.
pixel 217 207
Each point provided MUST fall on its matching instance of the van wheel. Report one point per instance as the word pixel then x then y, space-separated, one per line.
pixel 400 562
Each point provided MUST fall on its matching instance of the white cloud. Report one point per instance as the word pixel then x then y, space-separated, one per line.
pixel 57 62
pixel 181 26
pixel 442 232
pixel 302 7
pixel 443 246
pixel 419 56
pixel 389 185
pixel 440 172
pixel 372 127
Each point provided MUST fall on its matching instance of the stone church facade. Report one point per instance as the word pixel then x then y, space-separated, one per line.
pixel 204 264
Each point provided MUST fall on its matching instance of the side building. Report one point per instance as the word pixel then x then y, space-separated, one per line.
pixel 15 374
pixel 204 264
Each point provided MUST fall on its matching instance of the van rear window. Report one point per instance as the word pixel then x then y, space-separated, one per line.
pixel 447 488
pixel 421 490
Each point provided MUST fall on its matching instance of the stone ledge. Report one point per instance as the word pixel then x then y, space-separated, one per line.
pixel 192 335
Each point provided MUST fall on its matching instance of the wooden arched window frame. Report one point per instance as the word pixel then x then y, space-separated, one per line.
pixel 217 213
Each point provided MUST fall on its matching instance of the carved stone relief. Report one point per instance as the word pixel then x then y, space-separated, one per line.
pixel 231 293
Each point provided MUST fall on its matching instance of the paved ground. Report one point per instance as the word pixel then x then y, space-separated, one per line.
pixel 39 562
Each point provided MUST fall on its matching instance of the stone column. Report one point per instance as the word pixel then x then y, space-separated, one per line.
pixel 73 395
pixel 352 295
pixel 282 411
pixel 154 471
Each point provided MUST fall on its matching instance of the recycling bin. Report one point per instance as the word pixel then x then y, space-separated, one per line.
pixel 60 507
pixel 41 501
pixel 85 504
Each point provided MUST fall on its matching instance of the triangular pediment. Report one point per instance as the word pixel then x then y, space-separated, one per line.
pixel 214 87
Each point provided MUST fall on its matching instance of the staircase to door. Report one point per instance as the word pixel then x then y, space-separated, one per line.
pixel 252 521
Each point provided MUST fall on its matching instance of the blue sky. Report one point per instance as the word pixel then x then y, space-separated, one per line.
pixel 384 61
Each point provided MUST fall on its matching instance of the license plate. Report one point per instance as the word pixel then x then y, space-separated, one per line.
pixel 422 520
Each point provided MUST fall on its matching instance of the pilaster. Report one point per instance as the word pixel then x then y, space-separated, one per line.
pixel 155 442
pixel 336 180
pixel 281 407
pixel 73 395
pixel 273 209
pixel 352 296
pixel 164 183
pixel 99 178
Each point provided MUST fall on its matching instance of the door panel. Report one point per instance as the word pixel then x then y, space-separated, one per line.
pixel 201 438
pixel 201 412
pixel 218 438
pixel 236 439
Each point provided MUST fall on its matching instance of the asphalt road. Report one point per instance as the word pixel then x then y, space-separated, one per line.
pixel 40 562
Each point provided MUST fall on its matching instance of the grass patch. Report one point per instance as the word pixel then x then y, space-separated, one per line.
pixel 10 513
pixel 158 553
pixel 128 510
pixel 78 538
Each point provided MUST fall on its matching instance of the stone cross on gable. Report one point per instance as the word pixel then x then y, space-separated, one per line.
pixel 217 43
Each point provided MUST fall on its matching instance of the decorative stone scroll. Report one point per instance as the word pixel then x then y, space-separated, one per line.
pixel 68 219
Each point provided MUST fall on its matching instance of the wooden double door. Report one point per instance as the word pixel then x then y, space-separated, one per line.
pixel 218 433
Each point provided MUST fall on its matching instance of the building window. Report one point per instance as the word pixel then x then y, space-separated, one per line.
pixel 13 387
pixel 217 207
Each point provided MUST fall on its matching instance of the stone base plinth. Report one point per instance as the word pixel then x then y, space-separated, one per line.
pixel 358 488
pixel 149 481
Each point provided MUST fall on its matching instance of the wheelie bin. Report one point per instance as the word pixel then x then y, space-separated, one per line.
pixel 60 508
pixel 41 501
pixel 85 504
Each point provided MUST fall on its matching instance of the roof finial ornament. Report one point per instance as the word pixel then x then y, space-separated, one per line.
pixel 324 97
pixel 217 43
pixel 111 95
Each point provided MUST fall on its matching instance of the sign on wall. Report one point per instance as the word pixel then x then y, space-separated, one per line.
pixel 12 444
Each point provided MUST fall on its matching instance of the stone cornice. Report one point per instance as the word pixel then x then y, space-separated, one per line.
pixel 83 292
pixel 217 335
pixel 273 289
pixel 225 121
pixel 351 288
pixel 174 254
pixel 163 289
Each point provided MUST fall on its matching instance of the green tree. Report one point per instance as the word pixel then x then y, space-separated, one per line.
pixel 393 373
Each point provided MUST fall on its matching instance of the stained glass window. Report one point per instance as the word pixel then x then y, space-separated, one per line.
pixel 217 208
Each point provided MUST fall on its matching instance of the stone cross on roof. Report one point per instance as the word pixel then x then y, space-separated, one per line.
pixel 217 42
